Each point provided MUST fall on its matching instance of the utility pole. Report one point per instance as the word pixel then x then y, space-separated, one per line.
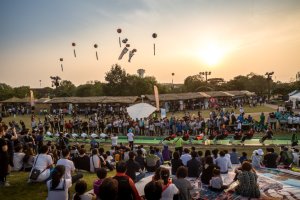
pixel 269 78
pixel 172 81
pixel 205 74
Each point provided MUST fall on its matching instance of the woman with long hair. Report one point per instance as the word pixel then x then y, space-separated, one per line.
pixel 58 186
pixel 168 188
pixel 81 188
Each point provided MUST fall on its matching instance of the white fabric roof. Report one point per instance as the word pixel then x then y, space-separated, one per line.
pixel 140 110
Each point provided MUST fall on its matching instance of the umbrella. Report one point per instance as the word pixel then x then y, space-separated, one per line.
pixel 140 110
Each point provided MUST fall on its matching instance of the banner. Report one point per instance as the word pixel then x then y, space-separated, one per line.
pixel 156 97
pixel 163 113
pixel 31 98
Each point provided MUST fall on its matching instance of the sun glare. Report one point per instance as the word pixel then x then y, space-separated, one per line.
pixel 212 54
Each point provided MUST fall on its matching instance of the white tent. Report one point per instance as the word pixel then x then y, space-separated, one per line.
pixel 294 98
pixel 140 110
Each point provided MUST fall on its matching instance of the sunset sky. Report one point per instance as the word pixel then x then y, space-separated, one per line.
pixel 226 37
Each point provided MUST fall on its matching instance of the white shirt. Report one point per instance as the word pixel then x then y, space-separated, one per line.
pixel 69 165
pixel 42 162
pixel 223 163
pixel 18 161
pixel 114 140
pixel 185 158
pixel 130 137
pixel 94 162
pixel 61 191
pixel 169 193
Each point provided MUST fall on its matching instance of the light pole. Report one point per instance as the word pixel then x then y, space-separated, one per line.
pixel 269 78
pixel 40 83
pixel 142 96
pixel 206 74
pixel 172 81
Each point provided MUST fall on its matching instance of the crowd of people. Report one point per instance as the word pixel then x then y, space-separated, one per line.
pixel 60 165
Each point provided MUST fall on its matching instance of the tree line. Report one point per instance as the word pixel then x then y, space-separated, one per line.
pixel 120 83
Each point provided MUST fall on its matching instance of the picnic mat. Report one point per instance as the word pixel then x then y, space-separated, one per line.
pixel 273 184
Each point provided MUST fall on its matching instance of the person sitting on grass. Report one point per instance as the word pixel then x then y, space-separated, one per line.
pixel 101 174
pixel 194 166
pixel 108 189
pixel 82 162
pixel 216 182
pixel 69 166
pixel 18 158
pixel 80 189
pixel 152 161
pixel 58 186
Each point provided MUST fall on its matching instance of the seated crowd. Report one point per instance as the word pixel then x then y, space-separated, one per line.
pixel 60 166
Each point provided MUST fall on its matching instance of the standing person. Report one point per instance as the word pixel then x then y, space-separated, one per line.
pixel 182 184
pixel 178 144
pixel 126 187
pixel 4 161
pixel 294 139
pixel 169 189
pixel 268 135
pixel 114 140
pixel 69 166
pixel 58 186
pixel 130 137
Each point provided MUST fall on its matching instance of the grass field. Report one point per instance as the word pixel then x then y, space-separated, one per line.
pixel 20 189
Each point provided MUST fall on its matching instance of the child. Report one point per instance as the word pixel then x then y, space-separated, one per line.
pixel 216 182
pixel 101 174
pixel 58 187
pixel 80 189
pixel 243 157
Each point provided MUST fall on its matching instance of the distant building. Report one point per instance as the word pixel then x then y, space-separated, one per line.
pixel 298 76
pixel 141 73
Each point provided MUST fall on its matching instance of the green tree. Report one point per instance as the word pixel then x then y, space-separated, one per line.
pixel 6 91
pixel 195 83
pixel 89 89
pixel 22 91
pixel 116 81
pixel 65 89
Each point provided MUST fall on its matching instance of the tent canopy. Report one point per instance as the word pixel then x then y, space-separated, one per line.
pixel 140 110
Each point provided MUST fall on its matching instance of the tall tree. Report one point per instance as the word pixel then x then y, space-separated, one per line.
pixel 116 81
pixel 6 91
pixel 65 89
pixel 22 91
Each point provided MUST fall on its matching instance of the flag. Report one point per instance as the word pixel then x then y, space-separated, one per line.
pixel 31 98
pixel 156 97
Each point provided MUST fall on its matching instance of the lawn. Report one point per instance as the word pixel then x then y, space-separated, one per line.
pixel 20 189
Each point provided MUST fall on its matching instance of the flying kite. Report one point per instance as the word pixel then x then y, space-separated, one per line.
pixel 74 44
pixel 96 46
pixel 154 35
pixel 125 49
pixel 131 53
pixel 61 65
pixel 119 31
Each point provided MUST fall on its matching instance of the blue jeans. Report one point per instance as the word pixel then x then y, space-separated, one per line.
pixel 139 177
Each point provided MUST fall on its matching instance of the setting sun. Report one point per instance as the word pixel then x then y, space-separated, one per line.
pixel 212 54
